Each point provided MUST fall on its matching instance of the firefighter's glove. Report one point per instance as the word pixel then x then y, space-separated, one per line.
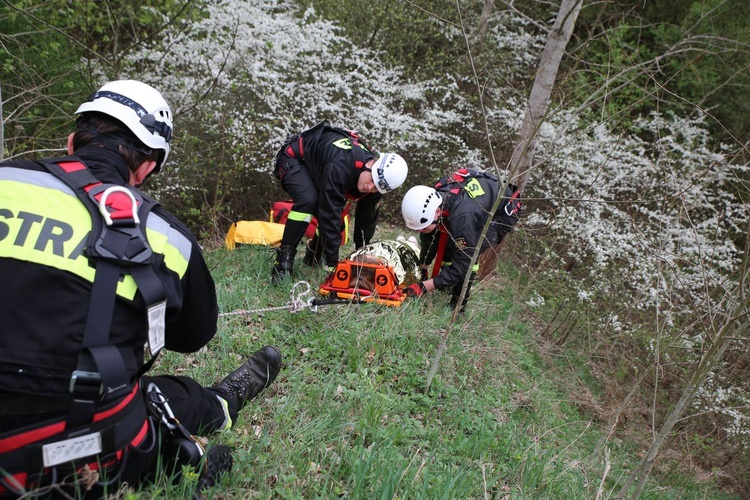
pixel 415 290
pixel 424 273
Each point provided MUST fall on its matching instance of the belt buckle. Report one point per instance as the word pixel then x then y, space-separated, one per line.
pixel 89 379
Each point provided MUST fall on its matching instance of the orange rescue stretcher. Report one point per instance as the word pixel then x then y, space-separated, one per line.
pixel 385 287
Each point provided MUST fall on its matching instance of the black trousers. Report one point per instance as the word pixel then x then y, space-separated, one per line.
pixel 297 182
pixel 195 406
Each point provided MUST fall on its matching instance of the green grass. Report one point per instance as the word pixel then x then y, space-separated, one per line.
pixel 349 415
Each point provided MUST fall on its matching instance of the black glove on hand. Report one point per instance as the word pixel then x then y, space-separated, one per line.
pixel 415 290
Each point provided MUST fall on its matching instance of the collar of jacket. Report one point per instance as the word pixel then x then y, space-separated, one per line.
pixel 105 164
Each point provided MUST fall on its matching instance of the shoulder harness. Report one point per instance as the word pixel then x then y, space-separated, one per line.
pixel 295 147
pixel 510 206
pixel 116 245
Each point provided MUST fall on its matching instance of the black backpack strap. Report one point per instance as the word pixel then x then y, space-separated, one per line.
pixel 295 144
pixel 116 245
pixel 357 151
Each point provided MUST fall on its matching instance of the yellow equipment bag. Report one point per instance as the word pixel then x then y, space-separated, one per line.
pixel 254 232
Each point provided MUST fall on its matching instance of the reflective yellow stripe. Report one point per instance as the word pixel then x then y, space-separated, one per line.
pixel 166 240
pixel 54 233
pixel 474 268
pixel 299 216
pixel 227 417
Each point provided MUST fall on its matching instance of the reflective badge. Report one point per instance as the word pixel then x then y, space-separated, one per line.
pixel 474 188
pixel 71 449
pixel 156 315
pixel 343 143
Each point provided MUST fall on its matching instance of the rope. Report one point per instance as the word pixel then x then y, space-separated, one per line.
pixel 295 304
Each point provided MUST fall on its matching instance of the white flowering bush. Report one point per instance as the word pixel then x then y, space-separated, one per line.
pixel 258 71
pixel 249 73
pixel 661 213
pixel 655 204
pixel 649 223
pixel 726 404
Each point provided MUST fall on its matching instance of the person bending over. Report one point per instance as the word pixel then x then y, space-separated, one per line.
pixel 450 218
pixel 323 169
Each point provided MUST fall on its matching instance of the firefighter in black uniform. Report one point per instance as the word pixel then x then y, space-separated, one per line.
pixel 450 218
pixel 322 169
pixel 77 312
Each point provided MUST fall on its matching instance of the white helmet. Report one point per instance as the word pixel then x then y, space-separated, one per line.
pixel 389 172
pixel 140 107
pixel 419 205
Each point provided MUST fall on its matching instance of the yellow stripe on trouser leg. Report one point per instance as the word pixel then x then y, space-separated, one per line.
pixel 299 216
pixel 227 418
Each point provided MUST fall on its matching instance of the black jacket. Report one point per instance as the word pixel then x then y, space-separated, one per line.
pixel 467 201
pixel 46 287
pixel 328 158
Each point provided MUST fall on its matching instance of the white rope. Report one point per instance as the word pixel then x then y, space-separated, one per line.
pixel 295 304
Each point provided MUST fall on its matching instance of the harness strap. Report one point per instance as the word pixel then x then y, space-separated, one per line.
pixel 513 204
pixel 117 243
pixel 459 176
pixel 442 241
pixel 295 147
pixel 357 152
pixel 108 368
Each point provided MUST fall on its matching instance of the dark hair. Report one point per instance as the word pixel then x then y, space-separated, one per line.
pixel 101 130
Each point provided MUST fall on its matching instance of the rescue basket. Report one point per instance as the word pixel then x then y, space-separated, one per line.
pixel 365 282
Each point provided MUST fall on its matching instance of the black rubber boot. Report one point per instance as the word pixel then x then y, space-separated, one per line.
pixel 283 263
pixel 247 381
pixel 217 462
pixel 314 253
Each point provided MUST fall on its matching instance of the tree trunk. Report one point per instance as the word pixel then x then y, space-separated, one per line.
pixel 522 160
pixel 524 151
pixel 484 19
pixel 734 325
pixel 707 363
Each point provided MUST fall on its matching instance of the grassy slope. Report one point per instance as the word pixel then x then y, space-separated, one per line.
pixel 349 415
